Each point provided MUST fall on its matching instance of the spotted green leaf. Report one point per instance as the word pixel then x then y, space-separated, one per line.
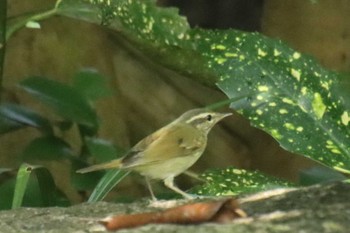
pixel 233 181
pixel 161 33
pixel 291 96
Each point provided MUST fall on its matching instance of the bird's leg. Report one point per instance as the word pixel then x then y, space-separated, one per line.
pixel 150 189
pixel 169 182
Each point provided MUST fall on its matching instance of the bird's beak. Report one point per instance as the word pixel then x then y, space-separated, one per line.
pixel 223 115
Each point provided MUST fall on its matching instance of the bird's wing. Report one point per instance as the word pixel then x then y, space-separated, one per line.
pixel 166 143
pixel 136 153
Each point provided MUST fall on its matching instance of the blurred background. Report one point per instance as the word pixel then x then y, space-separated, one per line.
pixel 147 96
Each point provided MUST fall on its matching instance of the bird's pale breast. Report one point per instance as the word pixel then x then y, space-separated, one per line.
pixel 167 168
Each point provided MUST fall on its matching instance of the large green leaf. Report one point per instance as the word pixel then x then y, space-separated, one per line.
pixel 290 95
pixel 159 32
pixel 65 100
pixel 91 84
pixel 47 148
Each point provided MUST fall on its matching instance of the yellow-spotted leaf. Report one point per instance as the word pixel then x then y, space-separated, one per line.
pixel 233 181
pixel 290 95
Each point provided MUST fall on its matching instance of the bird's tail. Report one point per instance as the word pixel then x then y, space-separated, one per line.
pixel 108 165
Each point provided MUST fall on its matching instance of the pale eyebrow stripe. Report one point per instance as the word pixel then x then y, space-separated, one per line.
pixel 202 115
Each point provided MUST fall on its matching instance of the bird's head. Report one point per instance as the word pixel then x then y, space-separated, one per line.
pixel 202 119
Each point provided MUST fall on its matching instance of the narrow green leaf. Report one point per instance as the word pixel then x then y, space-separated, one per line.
pixel 21 184
pixel 21 115
pixel 65 100
pixel 41 191
pixel 47 148
pixel 91 84
pixel 106 184
pixel 31 197
pixel 233 181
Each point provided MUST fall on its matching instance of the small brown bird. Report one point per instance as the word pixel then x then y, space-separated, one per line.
pixel 169 151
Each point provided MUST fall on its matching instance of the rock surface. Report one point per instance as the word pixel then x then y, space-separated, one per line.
pixel 319 208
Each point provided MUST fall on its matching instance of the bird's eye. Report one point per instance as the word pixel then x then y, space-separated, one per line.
pixel 209 117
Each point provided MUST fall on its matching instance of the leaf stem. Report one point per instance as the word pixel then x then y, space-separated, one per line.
pixel 22 23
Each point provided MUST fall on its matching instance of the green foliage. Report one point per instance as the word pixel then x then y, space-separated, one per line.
pixel 65 100
pixel 91 84
pixel 73 105
pixel 47 148
pixel 108 181
pixel 21 183
pixel 290 95
pixel 48 192
pixel 86 181
pixel 30 190
pixel 103 150
pixel 233 181
pixel 14 117
pixel 292 98
pixel 287 94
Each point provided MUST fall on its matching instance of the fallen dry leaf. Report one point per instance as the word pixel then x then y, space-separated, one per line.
pixel 221 211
